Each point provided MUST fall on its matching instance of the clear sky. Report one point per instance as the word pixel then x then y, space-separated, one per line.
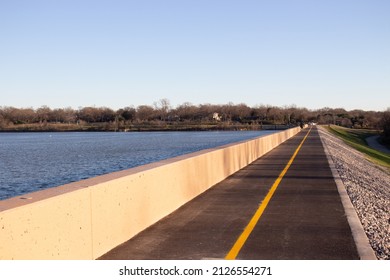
pixel 311 53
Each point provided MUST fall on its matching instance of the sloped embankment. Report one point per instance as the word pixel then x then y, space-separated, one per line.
pixel 368 187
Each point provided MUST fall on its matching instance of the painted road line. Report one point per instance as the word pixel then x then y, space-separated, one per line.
pixel 235 250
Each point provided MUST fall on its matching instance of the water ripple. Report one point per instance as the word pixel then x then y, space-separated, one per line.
pixel 35 161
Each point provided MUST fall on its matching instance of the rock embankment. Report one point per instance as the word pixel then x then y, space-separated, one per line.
pixel 368 187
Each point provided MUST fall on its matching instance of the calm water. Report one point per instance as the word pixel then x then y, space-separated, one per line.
pixel 36 161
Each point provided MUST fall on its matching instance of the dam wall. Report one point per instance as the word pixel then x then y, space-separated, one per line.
pixel 85 219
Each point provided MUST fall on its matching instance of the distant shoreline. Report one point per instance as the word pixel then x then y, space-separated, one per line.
pixel 141 128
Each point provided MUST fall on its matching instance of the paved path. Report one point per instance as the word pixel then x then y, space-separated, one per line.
pixel 372 141
pixel 304 218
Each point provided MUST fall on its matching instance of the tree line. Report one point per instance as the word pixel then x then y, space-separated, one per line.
pixel 162 115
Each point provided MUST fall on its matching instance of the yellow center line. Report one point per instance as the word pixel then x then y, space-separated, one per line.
pixel 235 250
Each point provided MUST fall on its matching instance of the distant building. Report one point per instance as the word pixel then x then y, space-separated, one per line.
pixel 216 117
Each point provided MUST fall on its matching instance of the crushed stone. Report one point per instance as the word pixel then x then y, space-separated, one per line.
pixel 368 187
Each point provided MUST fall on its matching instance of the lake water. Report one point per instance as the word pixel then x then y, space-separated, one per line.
pixel 36 161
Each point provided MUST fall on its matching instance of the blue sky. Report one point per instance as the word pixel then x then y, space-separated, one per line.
pixel 115 53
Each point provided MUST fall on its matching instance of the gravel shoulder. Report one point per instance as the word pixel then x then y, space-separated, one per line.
pixel 368 187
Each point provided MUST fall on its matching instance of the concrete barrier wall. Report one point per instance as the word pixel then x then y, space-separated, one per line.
pixel 85 219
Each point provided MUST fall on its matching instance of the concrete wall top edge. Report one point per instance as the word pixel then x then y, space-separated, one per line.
pixel 37 196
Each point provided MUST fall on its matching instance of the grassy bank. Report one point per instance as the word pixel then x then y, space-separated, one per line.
pixel 356 139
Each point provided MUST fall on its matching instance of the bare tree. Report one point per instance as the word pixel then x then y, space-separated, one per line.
pixel 89 114
pixel 162 108
pixel 186 111
pixel 43 114
pixel 145 113
pixel 162 111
